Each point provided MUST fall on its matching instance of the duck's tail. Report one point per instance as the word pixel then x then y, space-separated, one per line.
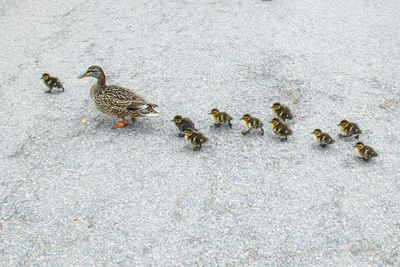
pixel 149 111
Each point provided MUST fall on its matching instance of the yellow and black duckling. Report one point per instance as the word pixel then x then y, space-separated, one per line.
pixel 365 152
pixel 195 138
pixel 349 128
pixel 251 123
pixel 323 139
pixel 183 124
pixel 280 128
pixel 220 118
pixel 282 111
pixel 116 100
pixel 51 81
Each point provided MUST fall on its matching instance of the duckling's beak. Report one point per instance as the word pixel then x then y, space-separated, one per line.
pixel 338 124
pixel 312 133
pixel 41 78
pixel 82 75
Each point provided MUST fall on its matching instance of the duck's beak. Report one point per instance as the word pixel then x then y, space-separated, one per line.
pixel 338 124
pixel 82 75
pixel 312 133
pixel 41 78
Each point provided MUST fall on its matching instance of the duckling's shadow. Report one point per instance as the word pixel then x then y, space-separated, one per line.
pixel 188 148
pixel 220 130
pixel 347 139
pixel 361 162
pixel 53 92
pixel 319 148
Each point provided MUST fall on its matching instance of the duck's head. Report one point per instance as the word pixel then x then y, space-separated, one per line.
pixel 93 71
pixel 246 117
pixel 276 106
pixel 275 122
pixel 317 132
pixel 45 76
pixel 343 123
pixel 359 145
pixel 214 112
pixel 188 132
pixel 178 119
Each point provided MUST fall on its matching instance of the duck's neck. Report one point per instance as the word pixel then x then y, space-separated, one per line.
pixel 101 81
pixel 97 88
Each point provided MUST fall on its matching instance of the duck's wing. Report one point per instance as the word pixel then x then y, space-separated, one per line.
pixel 124 98
pixel 125 94
pixel 132 105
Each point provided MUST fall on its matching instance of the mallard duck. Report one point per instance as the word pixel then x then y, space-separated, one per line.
pixel 183 124
pixel 220 118
pixel 280 128
pixel 282 111
pixel 195 138
pixel 51 81
pixel 323 139
pixel 365 152
pixel 116 100
pixel 251 123
pixel 349 128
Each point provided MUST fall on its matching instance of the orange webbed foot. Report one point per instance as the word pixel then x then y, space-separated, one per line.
pixel 120 124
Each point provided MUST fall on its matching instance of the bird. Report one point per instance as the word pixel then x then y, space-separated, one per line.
pixel 365 152
pixel 195 138
pixel 349 128
pixel 280 128
pixel 183 124
pixel 282 111
pixel 323 139
pixel 51 81
pixel 116 100
pixel 251 123
pixel 220 118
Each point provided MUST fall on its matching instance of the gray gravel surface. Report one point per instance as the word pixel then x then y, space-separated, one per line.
pixel 78 194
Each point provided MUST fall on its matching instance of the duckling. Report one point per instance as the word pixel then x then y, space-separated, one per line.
pixel 220 118
pixel 323 139
pixel 51 81
pixel 116 100
pixel 195 138
pixel 349 128
pixel 365 152
pixel 282 111
pixel 183 124
pixel 251 123
pixel 280 128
